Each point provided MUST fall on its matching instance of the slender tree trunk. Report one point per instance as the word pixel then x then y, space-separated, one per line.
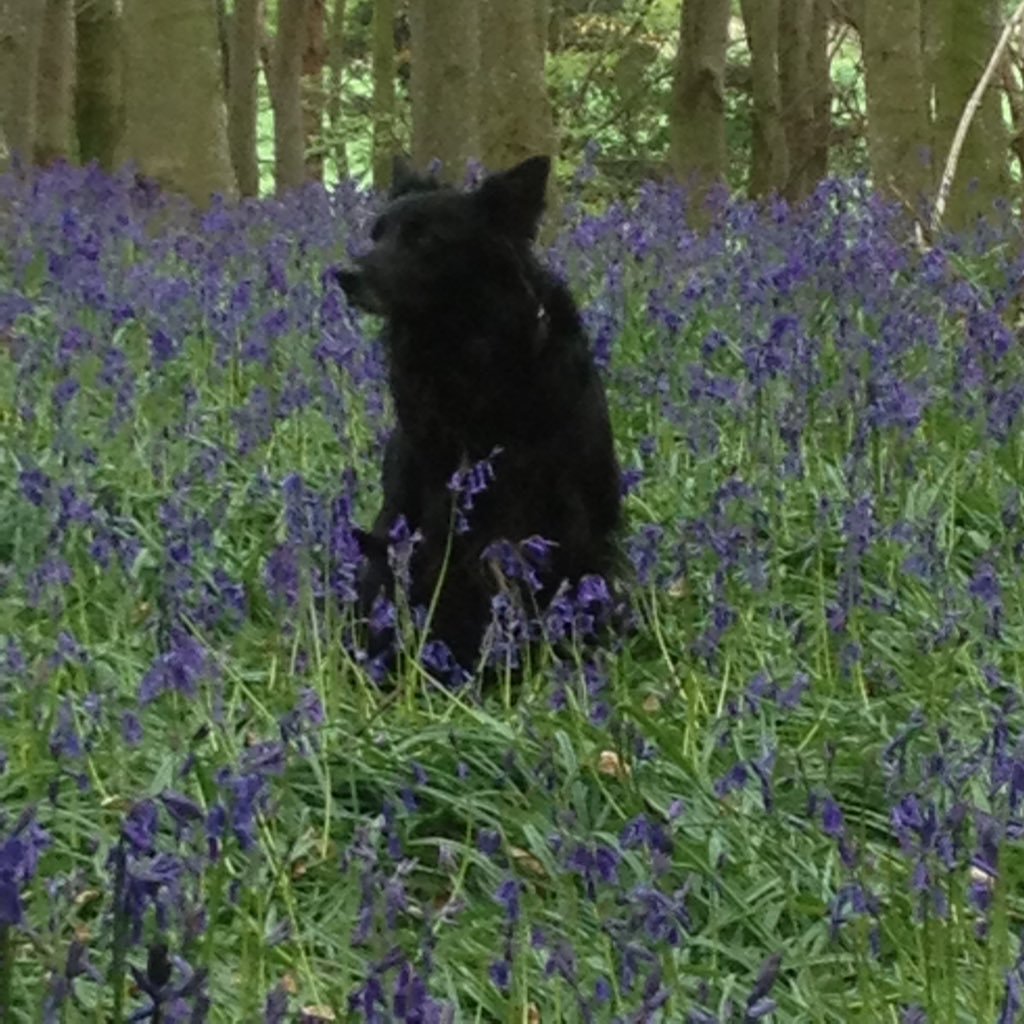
pixel 21 26
pixel 55 96
pixel 242 94
pixel 176 123
pixel 286 93
pixel 819 73
pixel 99 100
pixel 556 25
pixel 513 85
pixel 795 91
pixel 697 115
pixel 897 101
pixel 968 30
pixel 445 83
pixel 335 78
pixel 383 91
pixel 314 58
pixel 769 158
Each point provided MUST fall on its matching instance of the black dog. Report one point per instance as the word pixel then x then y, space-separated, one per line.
pixel 488 360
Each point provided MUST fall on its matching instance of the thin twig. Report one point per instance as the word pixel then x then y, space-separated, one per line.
pixel 968 116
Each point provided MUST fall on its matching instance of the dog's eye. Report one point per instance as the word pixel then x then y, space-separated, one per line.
pixel 412 230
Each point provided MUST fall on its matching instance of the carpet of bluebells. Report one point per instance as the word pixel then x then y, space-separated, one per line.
pixel 792 791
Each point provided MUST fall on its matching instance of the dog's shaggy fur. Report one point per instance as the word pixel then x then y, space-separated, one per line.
pixel 486 353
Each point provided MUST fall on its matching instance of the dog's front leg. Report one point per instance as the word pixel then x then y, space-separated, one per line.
pixel 400 484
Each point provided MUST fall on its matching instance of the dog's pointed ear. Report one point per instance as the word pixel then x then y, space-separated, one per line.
pixel 514 199
pixel 403 177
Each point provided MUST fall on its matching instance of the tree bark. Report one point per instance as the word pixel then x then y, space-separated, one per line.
pixel 697 114
pixel 314 58
pixel 556 25
pixel 967 34
pixel 819 73
pixel 769 157
pixel 513 48
pixel 383 92
pixel 897 101
pixel 335 78
pixel 55 95
pixel 445 83
pixel 243 64
pixel 99 99
pixel 286 94
pixel 796 93
pixel 20 39
pixel 175 116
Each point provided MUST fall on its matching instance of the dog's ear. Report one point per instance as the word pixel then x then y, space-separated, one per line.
pixel 404 179
pixel 514 199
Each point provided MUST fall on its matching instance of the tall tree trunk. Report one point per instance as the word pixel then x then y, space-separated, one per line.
pixel 819 73
pixel 243 64
pixel 697 115
pixel 314 57
pixel 769 158
pixel 286 94
pixel 513 48
pixel 445 73
pixel 556 25
pixel 795 92
pixel 55 95
pixel 968 30
pixel 897 101
pixel 383 91
pixel 176 132
pixel 21 25
pixel 99 101
pixel 335 79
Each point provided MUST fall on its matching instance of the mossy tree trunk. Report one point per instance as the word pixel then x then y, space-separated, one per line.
pixel 243 66
pixel 55 95
pixel 99 97
pixel 897 100
pixel 967 33
pixel 286 96
pixel 819 71
pixel 795 91
pixel 176 121
pixel 314 59
pixel 383 91
pixel 513 48
pixel 445 83
pixel 21 28
pixel 697 113
pixel 769 156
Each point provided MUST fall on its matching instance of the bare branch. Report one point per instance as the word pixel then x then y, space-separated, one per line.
pixel 968 116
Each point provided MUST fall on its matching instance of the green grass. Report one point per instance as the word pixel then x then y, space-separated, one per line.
pixel 640 830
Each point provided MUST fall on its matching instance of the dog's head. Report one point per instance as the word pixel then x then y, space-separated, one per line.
pixel 432 242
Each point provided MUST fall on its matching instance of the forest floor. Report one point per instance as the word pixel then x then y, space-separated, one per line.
pixel 793 794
